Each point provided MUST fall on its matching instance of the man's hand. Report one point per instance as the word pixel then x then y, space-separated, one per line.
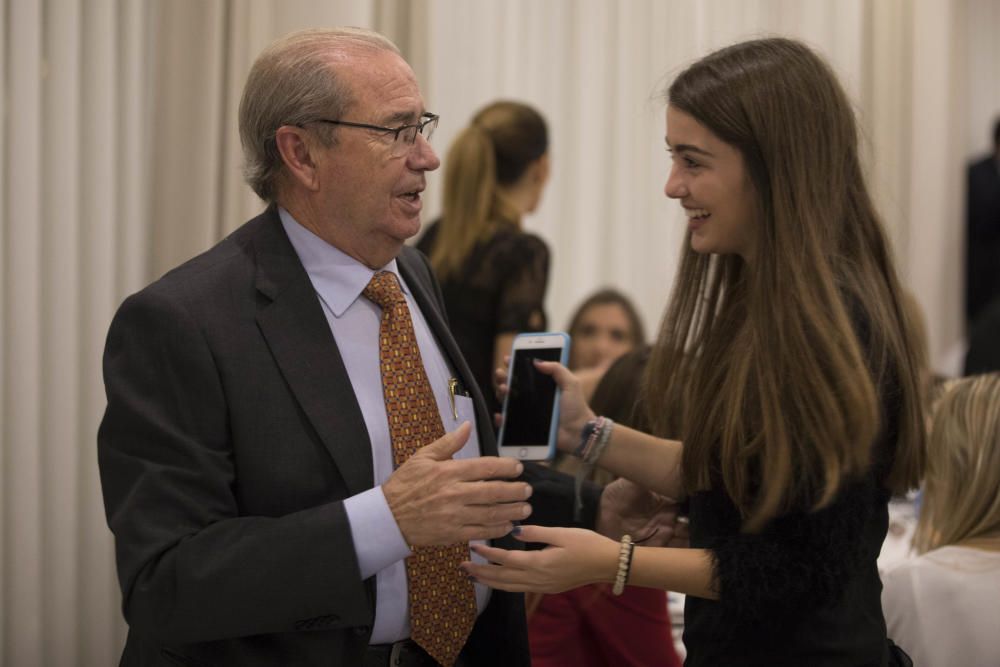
pixel 627 507
pixel 437 500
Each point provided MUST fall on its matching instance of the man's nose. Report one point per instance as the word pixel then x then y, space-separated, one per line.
pixel 423 157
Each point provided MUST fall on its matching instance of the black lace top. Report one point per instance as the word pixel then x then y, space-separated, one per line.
pixel 500 289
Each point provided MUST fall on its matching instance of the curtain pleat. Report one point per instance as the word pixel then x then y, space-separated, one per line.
pixel 23 476
pixel 63 446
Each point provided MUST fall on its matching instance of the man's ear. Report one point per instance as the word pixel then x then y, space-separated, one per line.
pixel 296 150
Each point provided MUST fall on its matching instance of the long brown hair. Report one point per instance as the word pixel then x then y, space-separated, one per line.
pixel 960 500
pixel 771 375
pixel 496 149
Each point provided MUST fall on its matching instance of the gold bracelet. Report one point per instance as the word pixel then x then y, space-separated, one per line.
pixel 624 564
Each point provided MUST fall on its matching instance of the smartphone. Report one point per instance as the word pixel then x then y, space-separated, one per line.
pixel 531 407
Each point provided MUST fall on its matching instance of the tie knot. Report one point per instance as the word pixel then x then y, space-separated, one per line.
pixel 384 289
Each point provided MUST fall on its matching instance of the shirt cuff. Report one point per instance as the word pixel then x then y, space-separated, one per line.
pixel 378 541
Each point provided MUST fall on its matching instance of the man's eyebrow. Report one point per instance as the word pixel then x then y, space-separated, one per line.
pixel 401 118
pixel 688 148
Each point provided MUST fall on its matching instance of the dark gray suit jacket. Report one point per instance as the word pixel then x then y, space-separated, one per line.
pixel 231 437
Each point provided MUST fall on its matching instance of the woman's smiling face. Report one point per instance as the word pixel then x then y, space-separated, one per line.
pixel 710 179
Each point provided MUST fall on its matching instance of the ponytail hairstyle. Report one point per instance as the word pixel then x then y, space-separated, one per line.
pixel 495 150
pixel 771 374
pixel 960 500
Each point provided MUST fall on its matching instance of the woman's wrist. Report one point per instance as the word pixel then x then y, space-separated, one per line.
pixel 569 438
pixel 606 566
pixel 594 438
pixel 623 564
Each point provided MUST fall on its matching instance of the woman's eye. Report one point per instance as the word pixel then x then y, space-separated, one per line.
pixel 687 161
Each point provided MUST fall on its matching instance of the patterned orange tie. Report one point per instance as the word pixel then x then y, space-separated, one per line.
pixel 442 600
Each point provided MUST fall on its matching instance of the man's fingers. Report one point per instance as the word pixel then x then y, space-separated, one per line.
pixel 488 493
pixel 447 445
pixel 493 514
pixel 485 467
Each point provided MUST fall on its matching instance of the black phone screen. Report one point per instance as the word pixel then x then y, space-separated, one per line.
pixel 530 400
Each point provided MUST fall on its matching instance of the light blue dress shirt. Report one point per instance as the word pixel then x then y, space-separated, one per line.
pixel 354 320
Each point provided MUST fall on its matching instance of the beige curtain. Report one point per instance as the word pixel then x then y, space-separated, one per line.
pixel 119 158
pixel 74 198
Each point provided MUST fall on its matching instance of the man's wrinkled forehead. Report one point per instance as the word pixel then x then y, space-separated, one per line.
pixel 380 78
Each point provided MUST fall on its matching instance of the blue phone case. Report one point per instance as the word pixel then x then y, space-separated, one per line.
pixel 554 424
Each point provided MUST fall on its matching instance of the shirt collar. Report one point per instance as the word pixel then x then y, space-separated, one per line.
pixel 337 277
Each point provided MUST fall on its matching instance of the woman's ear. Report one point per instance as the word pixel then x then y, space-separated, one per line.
pixel 541 169
pixel 296 150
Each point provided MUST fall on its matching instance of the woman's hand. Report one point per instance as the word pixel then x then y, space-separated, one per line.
pixel 648 517
pixel 574 413
pixel 574 558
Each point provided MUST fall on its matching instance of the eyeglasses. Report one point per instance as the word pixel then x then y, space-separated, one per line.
pixel 403 137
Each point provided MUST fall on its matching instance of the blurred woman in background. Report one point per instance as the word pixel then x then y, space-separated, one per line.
pixel 603 328
pixel 942 607
pixel 493 274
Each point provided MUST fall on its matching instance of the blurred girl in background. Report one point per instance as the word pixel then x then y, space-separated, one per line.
pixel 943 606
pixel 493 274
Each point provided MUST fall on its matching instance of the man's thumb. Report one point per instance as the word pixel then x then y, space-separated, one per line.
pixel 448 445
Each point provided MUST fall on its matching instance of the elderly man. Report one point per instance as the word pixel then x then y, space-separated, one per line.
pixel 294 456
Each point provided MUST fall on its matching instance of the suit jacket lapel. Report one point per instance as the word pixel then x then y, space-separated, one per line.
pixel 292 322
pixel 420 285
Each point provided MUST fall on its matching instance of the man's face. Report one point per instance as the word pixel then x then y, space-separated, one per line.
pixel 369 195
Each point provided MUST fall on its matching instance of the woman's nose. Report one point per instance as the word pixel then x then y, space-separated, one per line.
pixel 675 187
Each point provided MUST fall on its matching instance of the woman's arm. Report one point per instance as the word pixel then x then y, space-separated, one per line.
pixel 687 571
pixel 577 557
pixel 650 462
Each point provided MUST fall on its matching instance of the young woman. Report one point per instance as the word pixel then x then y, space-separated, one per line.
pixel 493 275
pixel 783 388
pixel 603 328
pixel 942 607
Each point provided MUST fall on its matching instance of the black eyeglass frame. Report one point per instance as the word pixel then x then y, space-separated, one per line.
pixel 426 119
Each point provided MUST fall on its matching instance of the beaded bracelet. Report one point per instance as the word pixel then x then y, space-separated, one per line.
pixel 589 435
pixel 625 552
pixel 592 454
pixel 597 434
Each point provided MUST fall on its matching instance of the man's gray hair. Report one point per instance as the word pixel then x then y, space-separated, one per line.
pixel 295 81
